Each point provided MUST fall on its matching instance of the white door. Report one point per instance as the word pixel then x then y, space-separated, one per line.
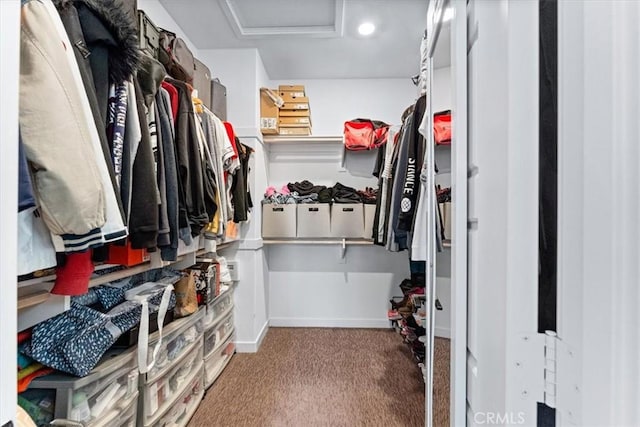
pixel 502 197
pixel 439 13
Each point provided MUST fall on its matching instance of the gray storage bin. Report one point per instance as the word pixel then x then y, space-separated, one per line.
pixel 279 221
pixel 347 220
pixel 314 220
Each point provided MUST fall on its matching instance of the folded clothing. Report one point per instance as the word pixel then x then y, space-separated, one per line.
pixel 343 194
pixel 369 195
pixel 305 188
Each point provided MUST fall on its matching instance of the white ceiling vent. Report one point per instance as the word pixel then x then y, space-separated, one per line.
pixel 277 18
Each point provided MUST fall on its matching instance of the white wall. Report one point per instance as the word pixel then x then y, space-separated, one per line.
pixel 237 69
pixel 161 18
pixel 9 75
pixel 335 101
pixel 354 292
pixel 442 94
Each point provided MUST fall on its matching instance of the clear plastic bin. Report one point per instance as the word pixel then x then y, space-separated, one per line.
pixel 185 406
pixel 125 416
pixel 218 360
pixel 219 308
pixel 178 337
pixel 217 334
pixel 161 395
pixel 89 399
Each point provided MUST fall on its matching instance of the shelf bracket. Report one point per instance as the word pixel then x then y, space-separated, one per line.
pixel 343 251
pixel 343 159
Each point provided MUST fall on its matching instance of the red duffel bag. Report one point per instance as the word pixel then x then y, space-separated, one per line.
pixel 442 127
pixel 364 134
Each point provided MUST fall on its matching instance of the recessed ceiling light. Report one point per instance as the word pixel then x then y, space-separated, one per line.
pixel 447 15
pixel 366 29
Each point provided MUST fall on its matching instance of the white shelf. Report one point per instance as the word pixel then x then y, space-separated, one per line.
pixel 361 242
pixel 277 139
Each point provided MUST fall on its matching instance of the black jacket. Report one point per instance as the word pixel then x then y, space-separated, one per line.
pixel 190 163
pixel 143 221
pixel 415 156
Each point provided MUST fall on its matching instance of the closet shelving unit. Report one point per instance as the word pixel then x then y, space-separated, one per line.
pixel 344 242
pixel 276 139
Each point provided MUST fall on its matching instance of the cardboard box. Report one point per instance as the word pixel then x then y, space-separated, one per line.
pixel 369 219
pixel 294 121
pixel 291 88
pixel 126 255
pixel 314 220
pixel 279 221
pixel 269 114
pixel 295 113
pixel 347 220
pixel 303 131
pixel 295 106
pixel 293 97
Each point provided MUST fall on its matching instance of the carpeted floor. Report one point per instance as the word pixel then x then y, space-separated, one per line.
pixel 326 377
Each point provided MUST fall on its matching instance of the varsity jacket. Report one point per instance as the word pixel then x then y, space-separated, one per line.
pixel 54 128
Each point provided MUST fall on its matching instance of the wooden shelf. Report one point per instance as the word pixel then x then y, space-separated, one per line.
pixel 361 242
pixel 277 139
pixel 446 244
pixel 33 299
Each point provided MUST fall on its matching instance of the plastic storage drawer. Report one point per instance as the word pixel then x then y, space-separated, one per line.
pixel 110 384
pixel 158 397
pixel 218 360
pixel 178 337
pixel 219 308
pixel 217 334
pixel 186 405
pixel 121 417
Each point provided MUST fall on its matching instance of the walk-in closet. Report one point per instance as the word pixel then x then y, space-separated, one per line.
pixel 318 213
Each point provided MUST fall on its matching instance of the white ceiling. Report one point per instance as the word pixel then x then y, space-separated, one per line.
pixel 308 39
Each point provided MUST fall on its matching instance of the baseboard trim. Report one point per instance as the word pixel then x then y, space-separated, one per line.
pixel 291 322
pixel 253 346
pixel 442 332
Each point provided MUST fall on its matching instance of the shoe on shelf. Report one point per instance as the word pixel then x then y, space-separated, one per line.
pixel 438 305
pixel 393 315
pixel 397 304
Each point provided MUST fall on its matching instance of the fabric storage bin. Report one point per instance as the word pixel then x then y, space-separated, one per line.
pixel 110 384
pixel 447 216
pixel 179 338
pixel 347 220
pixel 279 221
pixel 314 220
pixel 186 404
pixel 125 417
pixel 218 360
pixel 160 396
pixel 217 334
pixel 369 219
pixel 219 308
